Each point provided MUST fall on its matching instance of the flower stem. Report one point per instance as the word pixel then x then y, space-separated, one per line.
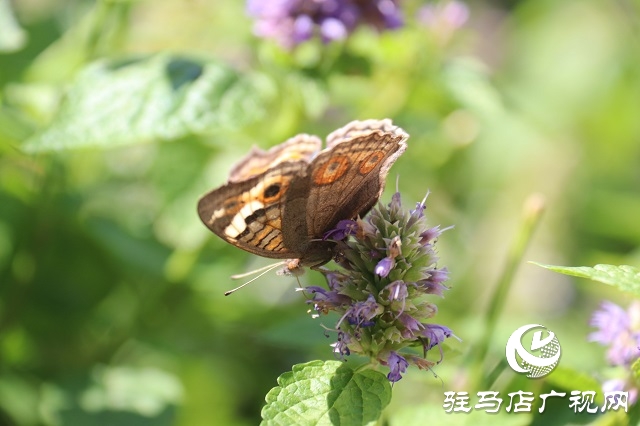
pixel 532 212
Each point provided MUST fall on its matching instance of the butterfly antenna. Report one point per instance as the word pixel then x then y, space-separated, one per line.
pixel 264 271
pixel 299 284
pixel 255 271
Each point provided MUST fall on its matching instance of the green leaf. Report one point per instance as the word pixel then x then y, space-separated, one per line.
pixel 157 98
pixel 327 393
pixel 624 277
pixel 569 379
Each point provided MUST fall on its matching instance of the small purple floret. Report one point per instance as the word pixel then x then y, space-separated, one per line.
pixel 343 229
pixel 397 365
pixel 383 268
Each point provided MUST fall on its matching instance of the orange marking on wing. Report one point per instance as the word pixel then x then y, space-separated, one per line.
pixel 273 189
pixel 332 170
pixel 262 234
pixel 275 242
pixel 370 162
pixel 275 223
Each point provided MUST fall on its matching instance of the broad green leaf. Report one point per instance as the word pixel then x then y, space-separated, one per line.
pixel 157 98
pixel 569 379
pixel 624 277
pixel 327 393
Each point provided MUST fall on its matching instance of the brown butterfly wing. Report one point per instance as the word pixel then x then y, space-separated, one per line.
pixel 249 214
pixel 278 203
pixel 301 147
pixel 347 178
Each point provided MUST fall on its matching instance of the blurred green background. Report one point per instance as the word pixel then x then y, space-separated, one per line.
pixel 111 290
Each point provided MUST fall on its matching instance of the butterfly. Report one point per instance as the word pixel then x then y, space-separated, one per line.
pixel 280 203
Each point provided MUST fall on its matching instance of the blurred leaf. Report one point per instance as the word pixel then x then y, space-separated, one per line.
pixel 432 414
pixel 19 398
pixel 145 391
pixel 52 402
pixel 469 83
pixel 12 37
pixel 156 98
pixel 319 393
pixel 570 379
pixel 626 278
pixel 13 127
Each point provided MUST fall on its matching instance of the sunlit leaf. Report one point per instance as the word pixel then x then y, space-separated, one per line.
pixel 571 379
pixel 144 391
pixel 157 98
pixel 624 277
pixel 327 393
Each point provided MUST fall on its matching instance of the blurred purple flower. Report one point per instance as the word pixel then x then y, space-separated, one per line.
pixel 292 22
pixel 617 385
pixel 620 330
pixel 445 14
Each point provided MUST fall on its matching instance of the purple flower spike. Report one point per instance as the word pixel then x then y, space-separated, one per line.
pixel 378 316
